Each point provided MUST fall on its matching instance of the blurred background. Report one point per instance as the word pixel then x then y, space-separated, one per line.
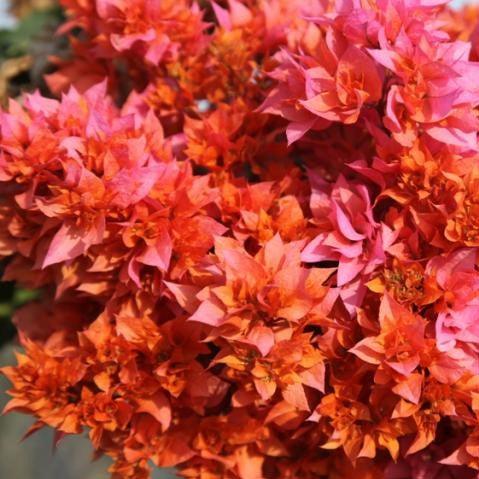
pixel 27 39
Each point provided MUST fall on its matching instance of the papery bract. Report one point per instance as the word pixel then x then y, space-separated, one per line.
pixel 253 228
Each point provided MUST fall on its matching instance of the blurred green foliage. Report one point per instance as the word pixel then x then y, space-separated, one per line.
pixel 14 299
pixel 16 42
pixel 11 298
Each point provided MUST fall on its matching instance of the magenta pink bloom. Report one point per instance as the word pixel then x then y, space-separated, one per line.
pixel 457 319
pixel 348 232
pixel 255 242
pixel 434 87
pixel 332 84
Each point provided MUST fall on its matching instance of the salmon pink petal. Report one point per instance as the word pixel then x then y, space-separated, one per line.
pixel 295 395
pixel 315 252
pixel 124 42
pixel 406 366
pixel 369 350
pixel 209 312
pixel 315 377
pixel 345 226
pixel 185 295
pixel 157 49
pixel 446 369
pixel 266 387
pixel 348 269
pixel 454 136
pixel 410 389
pixel 71 241
pixel 130 186
pixel 223 16
pixel 262 338
pixel 159 254
pixel 240 14
pixel 158 406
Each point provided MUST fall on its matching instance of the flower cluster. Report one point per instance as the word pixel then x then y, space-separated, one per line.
pixel 255 229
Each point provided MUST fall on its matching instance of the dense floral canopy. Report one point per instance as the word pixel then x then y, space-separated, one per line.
pixel 255 227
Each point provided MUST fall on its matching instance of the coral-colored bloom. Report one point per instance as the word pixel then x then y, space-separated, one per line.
pixel 253 227
pixel 434 90
pixel 331 86
pixel 348 233
pixel 459 281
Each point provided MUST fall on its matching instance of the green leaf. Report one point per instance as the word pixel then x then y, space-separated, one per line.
pixel 15 42
pixel 22 296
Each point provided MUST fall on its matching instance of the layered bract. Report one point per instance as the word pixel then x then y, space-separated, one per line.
pixel 254 226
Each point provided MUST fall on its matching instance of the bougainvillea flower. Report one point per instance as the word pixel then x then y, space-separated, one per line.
pixel 253 229
pixel 345 79
pixel 348 232
pixel 285 99
pixel 269 291
pixel 334 85
pixel 457 277
pixel 152 30
pixel 435 89
pixel 397 347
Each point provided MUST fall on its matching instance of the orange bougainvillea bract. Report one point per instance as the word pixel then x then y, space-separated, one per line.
pixel 254 228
